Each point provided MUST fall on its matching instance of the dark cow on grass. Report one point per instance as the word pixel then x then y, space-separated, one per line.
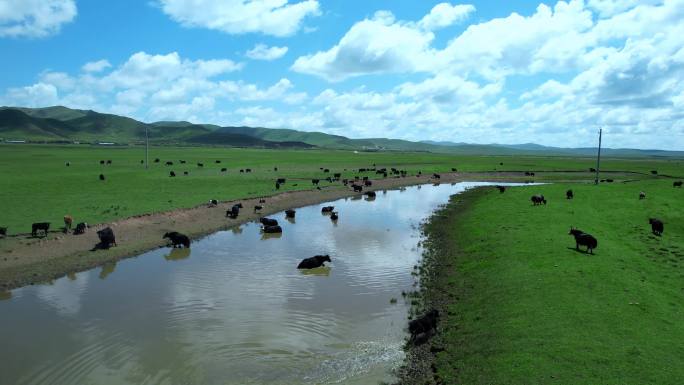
pixel 186 173
pixel 657 226
pixel 314 262
pixel 642 195
pixel 156 160
pixel 327 209
pixel 200 164
pixel 273 229
pixel 423 328
pixel 172 174
pixel 169 163
pixel 583 239
pixel 213 202
pixel 677 184
pixel 224 169
pixel 268 222
pixel 357 188
pixel 107 238
pixel 502 189
pixel 80 228
pixel 102 162
pixel 538 200
pixel 569 194
pixel 233 212
pixel 280 180
pixel 315 181
pixel 218 161
pixel 3 231
pixel 102 177
pixel 40 226
pixel 367 183
pixel 178 239
pixel 290 213
pixel 109 162
pixel 258 208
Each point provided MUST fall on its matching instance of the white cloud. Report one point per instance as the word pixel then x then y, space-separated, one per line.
pixel 264 52
pixel 96 66
pixel 444 14
pixel 34 18
pixel 270 17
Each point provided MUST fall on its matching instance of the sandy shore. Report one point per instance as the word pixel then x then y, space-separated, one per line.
pixel 25 260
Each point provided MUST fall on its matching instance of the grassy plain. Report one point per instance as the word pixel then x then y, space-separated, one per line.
pixel 37 186
pixel 522 306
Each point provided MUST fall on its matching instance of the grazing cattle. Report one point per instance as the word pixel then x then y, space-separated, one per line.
pixel 262 200
pixel 357 188
pixel 156 160
pixel 178 239
pixel 242 170
pixel 657 226
pixel 583 239
pixel 654 172
pixel 370 194
pixel 80 228
pixel 569 194
pixel 337 175
pixel 68 164
pixel 538 200
pixel 142 161
pixel 102 177
pixel 258 208
pixel 200 164
pixel 280 180
pixel 315 181
pixel 68 221
pixel 3 231
pixel 609 180
pixel 327 209
pixel 273 229
pixel 102 162
pixel 436 176
pixel 642 195
pixel 169 163
pixel 677 184
pixel 502 189
pixel 268 222
pixel 592 169
pixel 326 170
pixel 277 186
pixel 314 262
pixel 290 213
pixel 224 169
pixel 109 162
pixel 107 237
pixel 182 162
pixel 248 170
pixel 185 173
pixel 213 202
pixel 172 174
pixel 334 216
pixel 275 168
pixel 234 211
pixel 218 161
pixel 367 183
pixel 423 327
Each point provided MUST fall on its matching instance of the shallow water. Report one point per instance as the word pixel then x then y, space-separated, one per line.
pixel 233 309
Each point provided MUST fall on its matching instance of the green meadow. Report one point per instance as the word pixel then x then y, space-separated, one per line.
pixel 37 186
pixel 522 306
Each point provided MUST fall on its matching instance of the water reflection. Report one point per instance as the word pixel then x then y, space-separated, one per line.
pixel 238 312
pixel 5 295
pixel 107 269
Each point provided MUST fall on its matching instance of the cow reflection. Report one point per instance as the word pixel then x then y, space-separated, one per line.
pixel 107 268
pixel 323 271
pixel 177 254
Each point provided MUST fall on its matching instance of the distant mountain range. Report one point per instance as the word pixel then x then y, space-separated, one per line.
pixel 66 125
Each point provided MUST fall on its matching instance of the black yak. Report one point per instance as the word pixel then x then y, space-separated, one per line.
pixel 538 200
pixel 107 238
pixel 334 216
pixel 172 174
pixel 583 239
pixel 315 181
pixel 233 212
pixel 273 229
pixel 436 176
pixel 677 183
pixel 257 208
pixel 327 209
pixel 314 262
pixel 367 183
pixel 200 164
pixel 213 202
pixel 178 239
pixel 224 169
pixel 3 231
pixel 40 226
pixel 268 222
pixel 168 163
pixel 102 177
pixel 657 226
pixel 186 173
pixel 102 162
pixel 80 228
pixel 642 195
pixel 569 194
pixel 280 181
pixel 290 213
pixel 502 189
pixel 421 328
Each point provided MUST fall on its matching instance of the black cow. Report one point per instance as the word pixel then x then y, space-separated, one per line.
pixel 275 168
pixel 502 189
pixel 334 216
pixel 290 213
pixel 3 231
pixel 592 169
pixel 178 239
pixel 107 237
pixel 315 181
pixel 453 169
pixel 224 169
pixel 337 175
pixel 213 202
pixel 314 262
pixel 657 226
pixel 102 177
pixel 258 208
pixel 169 163
pixel 248 170
pixel 277 186
pixel 172 174
pixel 109 162
pixel 262 200
pixel 40 226
pixel 677 184
pixel 102 162
pixel 200 164
pixel 422 328
pixel 272 229
pixel 156 160
pixel 182 162
pixel 583 239
pixel 218 161
pixel 68 164
pixel 538 200
pixel 186 173
pixel 569 194
pixel 242 170
pixel 233 212
pixel 326 170
pixel 436 176
pixel 280 181
pixel 268 222
pixel 80 228
pixel 357 188
pixel 654 172
pixel 367 183
pixel 327 209
pixel 642 195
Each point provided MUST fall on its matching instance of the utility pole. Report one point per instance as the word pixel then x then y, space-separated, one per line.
pixel 147 148
pixel 598 158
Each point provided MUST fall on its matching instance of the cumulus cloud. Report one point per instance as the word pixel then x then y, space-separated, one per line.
pixel 34 18
pixel 264 52
pixel 444 14
pixel 96 66
pixel 270 17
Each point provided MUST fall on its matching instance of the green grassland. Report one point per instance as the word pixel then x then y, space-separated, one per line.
pixel 36 185
pixel 522 306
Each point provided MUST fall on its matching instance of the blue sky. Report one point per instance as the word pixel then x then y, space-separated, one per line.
pixel 477 71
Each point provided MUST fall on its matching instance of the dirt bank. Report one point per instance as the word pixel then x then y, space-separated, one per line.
pixel 25 260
